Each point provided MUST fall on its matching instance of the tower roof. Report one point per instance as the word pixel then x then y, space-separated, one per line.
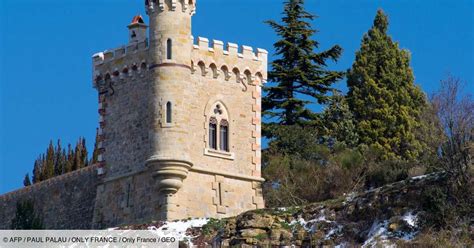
pixel 137 19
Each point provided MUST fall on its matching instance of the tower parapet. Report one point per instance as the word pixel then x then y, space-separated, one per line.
pixel 187 6
pixel 229 60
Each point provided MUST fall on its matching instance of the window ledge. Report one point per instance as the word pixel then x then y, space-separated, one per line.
pixel 166 125
pixel 219 154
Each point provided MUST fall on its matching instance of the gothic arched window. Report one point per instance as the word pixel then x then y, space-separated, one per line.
pixel 224 136
pixel 213 133
pixel 169 49
pixel 169 112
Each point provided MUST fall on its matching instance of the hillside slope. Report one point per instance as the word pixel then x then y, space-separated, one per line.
pixel 385 216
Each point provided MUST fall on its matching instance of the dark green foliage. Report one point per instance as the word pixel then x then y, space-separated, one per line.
pixel 25 217
pixel 384 172
pixel 436 207
pixel 383 97
pixel 297 141
pixel 26 180
pixel 212 226
pixel 299 74
pixel 80 155
pixel 299 170
pixel 57 161
pixel 337 122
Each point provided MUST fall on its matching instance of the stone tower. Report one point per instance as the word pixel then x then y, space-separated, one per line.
pixel 179 122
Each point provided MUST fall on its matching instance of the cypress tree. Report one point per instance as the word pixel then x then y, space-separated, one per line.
pixel 382 95
pixel 70 159
pixel 37 170
pixel 26 180
pixel 63 161
pixel 80 154
pixel 43 175
pixel 58 163
pixel 48 167
pixel 300 76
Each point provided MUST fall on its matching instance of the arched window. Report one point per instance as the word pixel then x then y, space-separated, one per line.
pixel 169 112
pixel 213 133
pixel 224 136
pixel 169 49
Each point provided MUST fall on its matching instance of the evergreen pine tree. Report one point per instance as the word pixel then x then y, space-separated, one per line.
pixel 26 180
pixel 382 95
pixel 338 122
pixel 300 76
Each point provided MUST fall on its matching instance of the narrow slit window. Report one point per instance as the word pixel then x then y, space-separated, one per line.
pixel 213 133
pixel 169 112
pixel 224 136
pixel 169 49
pixel 220 194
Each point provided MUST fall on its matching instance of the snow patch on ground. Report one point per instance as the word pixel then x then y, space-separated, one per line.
pixel 410 218
pixel 178 229
pixel 380 235
pixel 377 234
pixel 420 177
pixel 333 231
pixel 299 221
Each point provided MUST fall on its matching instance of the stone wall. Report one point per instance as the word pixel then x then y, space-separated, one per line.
pixel 63 202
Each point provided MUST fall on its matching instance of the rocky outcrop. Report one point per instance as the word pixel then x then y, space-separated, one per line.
pixel 380 216
pixel 376 218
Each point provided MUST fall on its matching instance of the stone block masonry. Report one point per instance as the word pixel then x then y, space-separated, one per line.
pixel 63 202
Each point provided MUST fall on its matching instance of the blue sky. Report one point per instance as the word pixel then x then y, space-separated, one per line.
pixel 46 48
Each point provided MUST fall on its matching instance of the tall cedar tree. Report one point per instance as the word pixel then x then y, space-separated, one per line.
pixel 383 97
pixel 299 74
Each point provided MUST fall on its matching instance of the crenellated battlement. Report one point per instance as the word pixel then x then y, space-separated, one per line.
pixel 228 59
pixel 111 63
pixel 170 5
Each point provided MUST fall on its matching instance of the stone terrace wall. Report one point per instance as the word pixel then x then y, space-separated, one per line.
pixel 64 202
